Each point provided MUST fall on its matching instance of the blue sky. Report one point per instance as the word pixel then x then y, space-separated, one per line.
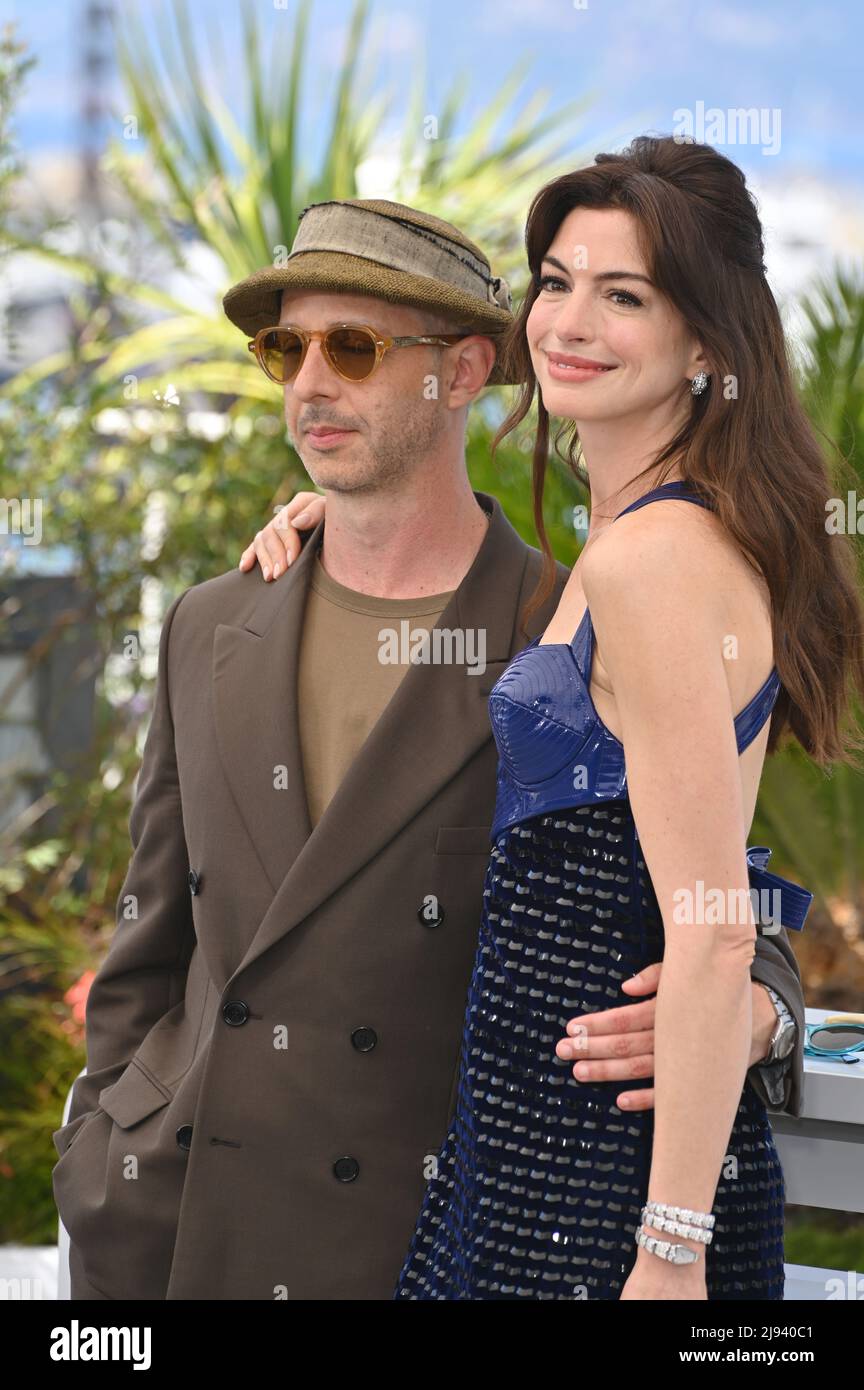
pixel 635 64
pixel 639 61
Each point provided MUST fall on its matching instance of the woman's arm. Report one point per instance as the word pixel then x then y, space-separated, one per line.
pixel 656 593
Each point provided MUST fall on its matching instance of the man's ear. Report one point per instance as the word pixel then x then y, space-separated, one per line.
pixel 480 357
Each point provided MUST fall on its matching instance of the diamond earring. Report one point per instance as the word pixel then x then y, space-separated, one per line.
pixel 699 383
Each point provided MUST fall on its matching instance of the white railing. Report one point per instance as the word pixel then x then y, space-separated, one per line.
pixel 822 1154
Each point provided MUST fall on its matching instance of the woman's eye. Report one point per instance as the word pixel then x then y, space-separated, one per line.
pixel 547 281
pixel 628 298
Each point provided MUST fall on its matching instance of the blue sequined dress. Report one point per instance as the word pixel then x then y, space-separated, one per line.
pixel 541 1179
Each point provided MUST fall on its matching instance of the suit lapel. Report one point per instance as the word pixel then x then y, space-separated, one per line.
pixel 437 719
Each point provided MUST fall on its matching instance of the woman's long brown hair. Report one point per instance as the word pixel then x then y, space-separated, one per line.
pixel 754 457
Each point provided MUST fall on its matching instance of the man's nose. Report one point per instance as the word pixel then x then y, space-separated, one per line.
pixel 316 377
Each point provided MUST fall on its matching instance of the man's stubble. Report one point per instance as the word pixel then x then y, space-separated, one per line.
pixel 393 446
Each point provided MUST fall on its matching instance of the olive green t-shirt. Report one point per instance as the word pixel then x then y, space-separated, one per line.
pixel 343 685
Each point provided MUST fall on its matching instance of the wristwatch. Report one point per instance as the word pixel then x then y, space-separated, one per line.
pixel 783 1038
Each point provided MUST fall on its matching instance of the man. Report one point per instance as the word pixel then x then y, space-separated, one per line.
pixel 273 1038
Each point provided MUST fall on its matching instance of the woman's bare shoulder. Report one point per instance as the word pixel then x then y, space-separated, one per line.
pixel 676 562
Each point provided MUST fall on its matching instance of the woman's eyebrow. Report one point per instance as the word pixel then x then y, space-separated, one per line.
pixel 622 275
pixel 553 260
pixel 605 274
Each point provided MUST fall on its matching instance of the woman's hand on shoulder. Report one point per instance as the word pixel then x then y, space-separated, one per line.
pixel 278 544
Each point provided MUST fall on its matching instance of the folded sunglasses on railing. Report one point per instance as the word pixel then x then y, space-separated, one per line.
pixel 842 1039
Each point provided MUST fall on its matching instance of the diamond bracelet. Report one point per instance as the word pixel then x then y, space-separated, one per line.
pixel 693 1218
pixel 679 1221
pixel 677 1228
pixel 675 1254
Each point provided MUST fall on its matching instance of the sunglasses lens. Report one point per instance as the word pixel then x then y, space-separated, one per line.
pixel 352 352
pixel 836 1039
pixel 281 351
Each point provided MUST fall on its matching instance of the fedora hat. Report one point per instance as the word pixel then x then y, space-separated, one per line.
pixel 387 250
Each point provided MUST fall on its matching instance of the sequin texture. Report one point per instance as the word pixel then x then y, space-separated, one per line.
pixel 541 1178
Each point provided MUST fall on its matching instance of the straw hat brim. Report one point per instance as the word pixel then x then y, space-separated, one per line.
pixel 256 302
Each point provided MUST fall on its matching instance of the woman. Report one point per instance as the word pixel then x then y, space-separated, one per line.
pixel 649 326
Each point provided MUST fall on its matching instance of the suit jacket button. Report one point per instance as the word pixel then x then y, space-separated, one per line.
pixel 184 1137
pixel 235 1012
pixel 194 882
pixel 364 1039
pixel 429 916
pixel 346 1169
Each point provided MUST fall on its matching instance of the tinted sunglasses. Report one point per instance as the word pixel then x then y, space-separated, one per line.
pixel 841 1040
pixel 353 350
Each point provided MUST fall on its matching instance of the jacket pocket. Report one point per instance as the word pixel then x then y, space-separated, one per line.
pixel 135 1096
pixel 64 1136
pixel 464 839
pixel 122 1229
